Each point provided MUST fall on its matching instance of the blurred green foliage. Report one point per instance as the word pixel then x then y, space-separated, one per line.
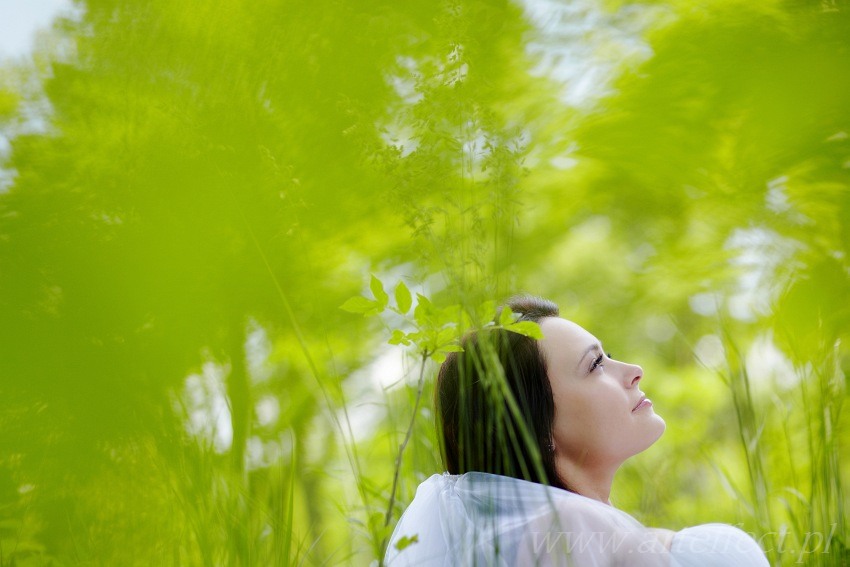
pixel 192 189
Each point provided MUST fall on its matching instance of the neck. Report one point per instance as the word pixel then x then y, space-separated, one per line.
pixel 592 480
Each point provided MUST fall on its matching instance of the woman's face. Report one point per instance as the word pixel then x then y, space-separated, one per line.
pixel 601 415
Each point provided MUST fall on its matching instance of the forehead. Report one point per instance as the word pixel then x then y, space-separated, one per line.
pixel 563 340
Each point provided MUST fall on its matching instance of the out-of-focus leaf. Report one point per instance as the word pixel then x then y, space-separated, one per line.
pixel 359 304
pixel 377 288
pixel 438 357
pixel 402 297
pixel 506 317
pixel 406 541
pixel 399 338
pixel 527 328
pixel 424 311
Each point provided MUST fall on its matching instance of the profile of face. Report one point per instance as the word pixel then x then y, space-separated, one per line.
pixel 601 416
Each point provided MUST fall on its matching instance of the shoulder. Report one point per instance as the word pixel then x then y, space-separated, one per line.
pixel 716 544
pixel 417 538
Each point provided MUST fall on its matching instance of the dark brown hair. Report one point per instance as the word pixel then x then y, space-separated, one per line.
pixel 494 402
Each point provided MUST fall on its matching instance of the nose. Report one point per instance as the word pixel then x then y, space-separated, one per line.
pixel 632 375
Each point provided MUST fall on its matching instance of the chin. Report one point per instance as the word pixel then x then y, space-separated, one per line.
pixel 659 428
pixel 650 436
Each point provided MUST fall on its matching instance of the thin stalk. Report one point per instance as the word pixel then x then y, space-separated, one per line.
pixel 285 557
pixel 401 448
pixel 749 432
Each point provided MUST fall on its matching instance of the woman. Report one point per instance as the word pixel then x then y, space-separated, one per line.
pixel 533 432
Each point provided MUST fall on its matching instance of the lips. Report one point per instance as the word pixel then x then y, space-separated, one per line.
pixel 642 402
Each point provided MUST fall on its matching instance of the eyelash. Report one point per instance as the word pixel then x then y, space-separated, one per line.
pixel 598 362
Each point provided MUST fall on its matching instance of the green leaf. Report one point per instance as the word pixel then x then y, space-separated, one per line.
pixel 402 297
pixel 423 311
pixel 451 348
pixel 378 291
pixel 415 336
pixel 486 310
pixel 399 338
pixel 406 541
pixel 438 357
pixel 359 304
pixel 506 317
pixel 446 335
pixel 527 328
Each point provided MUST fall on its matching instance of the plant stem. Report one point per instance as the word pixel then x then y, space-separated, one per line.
pixel 407 435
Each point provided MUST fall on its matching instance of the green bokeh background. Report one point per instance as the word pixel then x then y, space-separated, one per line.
pixel 191 189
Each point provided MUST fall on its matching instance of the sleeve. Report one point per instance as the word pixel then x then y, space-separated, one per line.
pixel 417 539
pixel 716 545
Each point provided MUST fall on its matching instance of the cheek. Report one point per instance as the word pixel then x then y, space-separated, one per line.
pixel 588 421
pixel 580 420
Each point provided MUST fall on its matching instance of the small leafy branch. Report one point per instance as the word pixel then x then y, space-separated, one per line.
pixel 436 333
pixel 436 330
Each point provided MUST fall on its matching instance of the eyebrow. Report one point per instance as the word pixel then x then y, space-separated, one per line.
pixel 588 350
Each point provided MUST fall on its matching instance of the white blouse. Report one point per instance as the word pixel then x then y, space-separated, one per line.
pixel 708 545
pixel 484 519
